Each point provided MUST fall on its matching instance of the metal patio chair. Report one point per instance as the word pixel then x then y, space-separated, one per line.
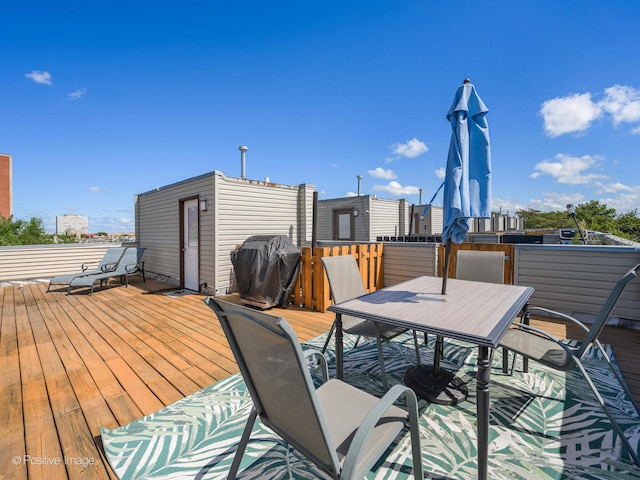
pixel 345 283
pixel 480 266
pixel 341 429
pixel 542 347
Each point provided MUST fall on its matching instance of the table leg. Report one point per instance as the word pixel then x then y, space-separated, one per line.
pixel 482 410
pixel 339 347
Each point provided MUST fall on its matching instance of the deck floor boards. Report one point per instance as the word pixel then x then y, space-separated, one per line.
pixel 73 363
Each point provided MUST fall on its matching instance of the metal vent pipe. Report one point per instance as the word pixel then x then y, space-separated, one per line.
pixel 243 159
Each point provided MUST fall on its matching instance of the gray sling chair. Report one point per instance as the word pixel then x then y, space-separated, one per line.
pixel 341 429
pixel 129 264
pixel 108 263
pixel 346 283
pixel 542 347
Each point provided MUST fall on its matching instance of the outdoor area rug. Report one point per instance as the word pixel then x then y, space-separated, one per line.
pixel 543 425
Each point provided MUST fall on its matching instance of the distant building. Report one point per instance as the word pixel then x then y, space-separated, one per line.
pixel 5 185
pixel 70 224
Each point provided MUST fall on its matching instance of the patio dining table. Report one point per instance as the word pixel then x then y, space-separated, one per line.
pixel 475 312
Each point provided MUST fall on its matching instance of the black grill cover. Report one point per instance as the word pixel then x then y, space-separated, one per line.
pixel 266 268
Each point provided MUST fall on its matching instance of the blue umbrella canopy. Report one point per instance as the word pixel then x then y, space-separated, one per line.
pixel 467 185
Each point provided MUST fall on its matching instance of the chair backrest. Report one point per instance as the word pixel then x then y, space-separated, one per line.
pixel 603 316
pixel 344 277
pixel 129 258
pixel 480 266
pixel 111 257
pixel 272 364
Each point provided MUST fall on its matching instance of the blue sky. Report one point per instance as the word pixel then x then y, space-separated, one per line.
pixel 104 100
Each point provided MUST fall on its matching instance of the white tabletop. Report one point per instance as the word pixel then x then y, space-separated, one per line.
pixel 475 312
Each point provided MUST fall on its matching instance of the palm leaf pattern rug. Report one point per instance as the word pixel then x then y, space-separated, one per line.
pixel 543 425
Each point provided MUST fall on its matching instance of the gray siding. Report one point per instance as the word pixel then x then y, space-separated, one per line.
pixel 236 209
pixel 388 218
pixel 245 208
pixel 576 280
pixel 404 261
pixel 158 226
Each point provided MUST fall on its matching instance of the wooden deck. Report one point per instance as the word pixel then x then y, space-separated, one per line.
pixel 73 363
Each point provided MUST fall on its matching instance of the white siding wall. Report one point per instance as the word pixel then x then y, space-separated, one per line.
pixel 244 208
pixel 577 279
pixel 46 261
pixel 387 218
pixel 158 228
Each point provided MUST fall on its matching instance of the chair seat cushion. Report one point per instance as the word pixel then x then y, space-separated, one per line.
pixel 538 348
pixel 367 328
pixel 344 417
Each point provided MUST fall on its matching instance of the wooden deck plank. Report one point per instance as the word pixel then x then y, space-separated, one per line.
pixel 12 444
pixel 72 364
pixel 42 444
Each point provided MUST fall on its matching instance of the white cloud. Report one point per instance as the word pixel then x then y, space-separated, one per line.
pixel 441 173
pixel 382 173
pixel 411 149
pixel 394 188
pixel 554 202
pixel 622 103
pixel 615 187
pixel 76 95
pixel 576 113
pixel 506 205
pixel 569 114
pixel 40 77
pixel 98 190
pixel 569 170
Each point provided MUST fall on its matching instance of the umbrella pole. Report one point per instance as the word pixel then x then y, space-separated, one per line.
pixel 445 273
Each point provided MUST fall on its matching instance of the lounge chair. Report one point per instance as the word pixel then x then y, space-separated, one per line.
pixel 129 264
pixel 345 283
pixel 542 347
pixel 341 429
pixel 108 263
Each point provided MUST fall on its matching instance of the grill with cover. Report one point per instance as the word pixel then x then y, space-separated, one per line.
pixel 266 267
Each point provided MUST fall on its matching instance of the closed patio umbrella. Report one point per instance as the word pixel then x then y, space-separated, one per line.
pixel 467 184
pixel 467 194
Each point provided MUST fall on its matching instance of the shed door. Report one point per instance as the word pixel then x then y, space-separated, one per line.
pixel 190 245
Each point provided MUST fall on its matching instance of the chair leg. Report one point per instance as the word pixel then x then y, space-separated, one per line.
pixel 615 425
pixel 242 445
pixel 326 343
pixel 383 372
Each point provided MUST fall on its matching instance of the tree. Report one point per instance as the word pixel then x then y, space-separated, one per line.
pixel 628 225
pixel 535 219
pixel 20 232
pixel 596 216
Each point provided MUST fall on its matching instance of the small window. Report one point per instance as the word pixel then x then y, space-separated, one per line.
pixel 192 226
pixel 343 225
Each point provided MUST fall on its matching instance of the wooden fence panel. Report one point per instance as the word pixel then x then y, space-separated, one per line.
pixel 312 286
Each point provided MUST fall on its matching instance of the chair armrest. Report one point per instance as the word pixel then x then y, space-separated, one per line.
pixel 560 315
pixel 131 268
pixel 85 266
pixel 371 419
pixel 323 361
pixel 108 267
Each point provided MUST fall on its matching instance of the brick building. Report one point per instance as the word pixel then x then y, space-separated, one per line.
pixel 5 185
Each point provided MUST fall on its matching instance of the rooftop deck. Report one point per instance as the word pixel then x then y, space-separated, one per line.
pixel 73 363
